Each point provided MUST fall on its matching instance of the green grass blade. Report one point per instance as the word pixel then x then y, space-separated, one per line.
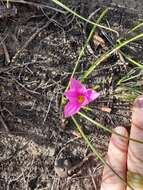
pixel 135 28
pixel 107 54
pixel 129 76
pixel 132 60
pixel 107 129
pixel 81 17
pixel 85 45
pixel 96 152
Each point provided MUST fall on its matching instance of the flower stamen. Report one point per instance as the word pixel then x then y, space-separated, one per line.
pixel 81 99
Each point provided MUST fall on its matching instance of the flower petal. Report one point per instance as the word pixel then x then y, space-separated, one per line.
pixel 71 95
pixel 76 85
pixel 71 108
pixel 91 94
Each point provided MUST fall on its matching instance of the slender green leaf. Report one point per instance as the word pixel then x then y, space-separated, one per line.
pixel 85 45
pixel 107 129
pixel 81 17
pixel 107 54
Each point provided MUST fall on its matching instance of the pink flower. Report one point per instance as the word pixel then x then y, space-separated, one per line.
pixel 78 97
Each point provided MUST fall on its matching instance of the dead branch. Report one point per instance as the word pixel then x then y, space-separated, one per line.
pixel 38 5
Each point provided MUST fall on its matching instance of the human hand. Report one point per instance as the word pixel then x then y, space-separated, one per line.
pixel 126 158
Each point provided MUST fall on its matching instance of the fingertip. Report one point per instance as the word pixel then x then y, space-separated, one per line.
pixel 138 103
pixel 137 119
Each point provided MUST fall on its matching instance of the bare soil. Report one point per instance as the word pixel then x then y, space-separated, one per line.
pixel 39 149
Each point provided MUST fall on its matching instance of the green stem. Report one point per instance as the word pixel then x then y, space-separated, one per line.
pixel 83 49
pixel 135 28
pixel 107 129
pixel 79 16
pixel 107 54
pixel 85 45
pixel 131 60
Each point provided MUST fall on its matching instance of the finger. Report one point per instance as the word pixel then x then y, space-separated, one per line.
pixel 117 159
pixel 135 152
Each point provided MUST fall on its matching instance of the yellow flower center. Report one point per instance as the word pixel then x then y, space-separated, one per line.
pixel 80 99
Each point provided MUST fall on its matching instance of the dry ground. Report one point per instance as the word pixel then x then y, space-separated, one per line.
pixel 38 50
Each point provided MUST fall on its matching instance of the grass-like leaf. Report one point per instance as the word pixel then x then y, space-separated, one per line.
pixel 107 54
pixel 86 43
pixel 107 129
pixel 132 61
pixel 81 17
pixel 130 76
pixel 135 28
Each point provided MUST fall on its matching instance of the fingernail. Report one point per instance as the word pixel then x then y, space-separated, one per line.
pixel 139 102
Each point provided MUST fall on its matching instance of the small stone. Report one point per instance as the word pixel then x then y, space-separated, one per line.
pixel 62 166
pixel 53 72
pixel 51 151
